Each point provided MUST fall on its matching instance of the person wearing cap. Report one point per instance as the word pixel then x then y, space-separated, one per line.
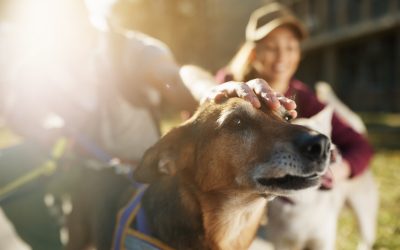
pixel 272 52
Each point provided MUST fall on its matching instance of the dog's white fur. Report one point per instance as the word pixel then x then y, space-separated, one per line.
pixel 326 95
pixel 310 221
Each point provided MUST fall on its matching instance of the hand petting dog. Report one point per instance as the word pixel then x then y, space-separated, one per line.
pixel 254 91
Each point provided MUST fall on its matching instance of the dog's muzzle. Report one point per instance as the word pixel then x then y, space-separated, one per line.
pixel 299 169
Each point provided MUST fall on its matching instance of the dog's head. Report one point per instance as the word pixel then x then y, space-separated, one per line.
pixel 234 146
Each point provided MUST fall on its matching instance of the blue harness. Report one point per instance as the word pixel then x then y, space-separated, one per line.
pixel 132 231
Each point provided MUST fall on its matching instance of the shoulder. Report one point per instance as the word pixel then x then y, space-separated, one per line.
pixel 147 45
pixel 297 87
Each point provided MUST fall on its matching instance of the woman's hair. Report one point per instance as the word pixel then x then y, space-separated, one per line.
pixel 262 22
pixel 240 65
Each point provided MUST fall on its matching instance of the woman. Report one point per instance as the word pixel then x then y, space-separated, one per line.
pixel 272 52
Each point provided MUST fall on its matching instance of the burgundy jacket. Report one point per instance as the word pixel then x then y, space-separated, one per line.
pixel 352 145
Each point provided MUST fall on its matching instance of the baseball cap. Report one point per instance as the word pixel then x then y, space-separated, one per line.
pixel 267 18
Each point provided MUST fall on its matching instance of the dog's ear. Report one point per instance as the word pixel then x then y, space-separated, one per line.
pixel 323 121
pixel 170 154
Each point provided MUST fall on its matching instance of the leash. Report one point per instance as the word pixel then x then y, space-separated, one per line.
pixel 101 155
pixel 46 169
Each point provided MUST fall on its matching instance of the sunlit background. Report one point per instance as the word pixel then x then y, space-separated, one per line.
pixel 354 45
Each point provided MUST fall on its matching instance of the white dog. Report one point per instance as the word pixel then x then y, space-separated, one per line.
pixel 309 220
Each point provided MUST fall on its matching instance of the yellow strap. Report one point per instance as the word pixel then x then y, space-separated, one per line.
pixel 59 148
pixel 155 242
pixel 47 168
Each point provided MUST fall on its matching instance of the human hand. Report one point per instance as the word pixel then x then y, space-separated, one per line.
pixel 254 91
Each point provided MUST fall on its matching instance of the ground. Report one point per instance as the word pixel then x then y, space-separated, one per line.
pixel 385 166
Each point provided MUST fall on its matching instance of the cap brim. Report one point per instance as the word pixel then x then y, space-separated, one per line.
pixel 279 15
pixel 253 34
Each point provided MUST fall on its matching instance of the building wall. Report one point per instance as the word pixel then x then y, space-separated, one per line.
pixel 355 46
pixel 202 32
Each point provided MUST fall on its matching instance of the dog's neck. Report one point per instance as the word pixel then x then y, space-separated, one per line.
pixel 185 218
pixel 231 219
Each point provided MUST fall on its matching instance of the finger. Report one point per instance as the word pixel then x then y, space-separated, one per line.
pixel 259 85
pixel 228 89
pixel 217 94
pixel 219 98
pixel 271 100
pixel 293 113
pixel 274 104
pixel 239 89
pixel 287 103
pixel 245 92
pixel 265 92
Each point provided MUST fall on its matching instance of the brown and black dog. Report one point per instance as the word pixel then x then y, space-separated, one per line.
pixel 211 177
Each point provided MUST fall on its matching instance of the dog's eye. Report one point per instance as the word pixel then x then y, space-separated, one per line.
pixel 288 117
pixel 236 123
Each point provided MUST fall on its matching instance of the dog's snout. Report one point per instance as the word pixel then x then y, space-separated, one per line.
pixel 313 145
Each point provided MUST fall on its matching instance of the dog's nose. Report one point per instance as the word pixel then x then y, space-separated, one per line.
pixel 313 145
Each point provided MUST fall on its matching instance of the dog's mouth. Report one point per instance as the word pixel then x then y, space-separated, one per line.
pixel 290 182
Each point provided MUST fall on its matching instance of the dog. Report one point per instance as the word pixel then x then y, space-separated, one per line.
pixel 210 178
pixel 308 219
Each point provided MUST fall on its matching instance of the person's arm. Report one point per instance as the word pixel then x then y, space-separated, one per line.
pixel 202 86
pixel 197 80
pixel 163 73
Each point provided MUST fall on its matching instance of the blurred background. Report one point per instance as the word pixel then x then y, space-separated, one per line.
pixel 354 45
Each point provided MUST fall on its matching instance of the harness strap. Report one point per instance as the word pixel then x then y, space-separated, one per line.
pixel 120 167
pixel 91 147
pixel 124 216
pixel 141 233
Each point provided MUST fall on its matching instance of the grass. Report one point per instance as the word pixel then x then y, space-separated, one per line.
pixel 385 166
